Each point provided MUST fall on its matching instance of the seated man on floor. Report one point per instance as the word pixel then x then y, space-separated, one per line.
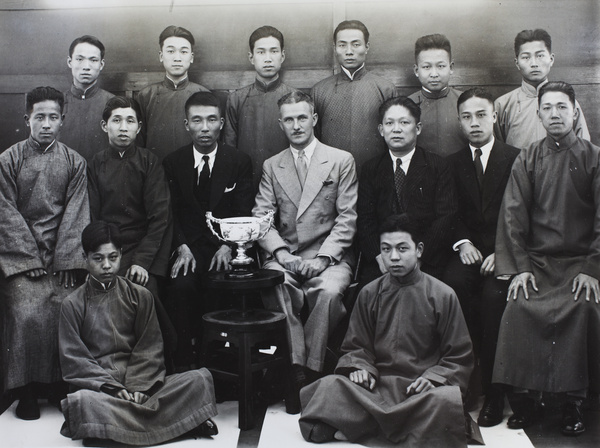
pixel 111 354
pixel 408 357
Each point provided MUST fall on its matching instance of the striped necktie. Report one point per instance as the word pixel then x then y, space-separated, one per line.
pixel 399 181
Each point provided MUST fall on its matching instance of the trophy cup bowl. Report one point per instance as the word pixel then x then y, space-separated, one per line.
pixel 241 231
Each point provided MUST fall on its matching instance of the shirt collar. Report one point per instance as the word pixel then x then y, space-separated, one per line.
pixel 87 93
pixel 435 95
pixel 262 87
pixel 35 145
pixel 308 151
pixel 170 84
pixel 358 73
pixel 211 157
pixel 405 160
pixel 485 151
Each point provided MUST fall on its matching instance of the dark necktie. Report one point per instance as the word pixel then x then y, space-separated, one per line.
pixel 399 181
pixel 301 167
pixel 478 168
pixel 204 176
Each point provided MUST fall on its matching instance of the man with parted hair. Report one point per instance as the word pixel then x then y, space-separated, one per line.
pixel 433 67
pixel 251 121
pixel 163 103
pixel 312 188
pixel 548 242
pixel 518 123
pixel 347 102
pixel 44 203
pixel 85 100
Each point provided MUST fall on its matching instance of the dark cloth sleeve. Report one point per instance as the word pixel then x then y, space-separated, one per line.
pixel 592 262
pixel 93 191
pixel 456 350
pixel 146 364
pixel 18 249
pixel 230 131
pixel 513 223
pixel 359 352
pixel 441 232
pixel 79 368
pixel 367 222
pixel 244 191
pixel 157 202
pixel 76 216
pixel 177 202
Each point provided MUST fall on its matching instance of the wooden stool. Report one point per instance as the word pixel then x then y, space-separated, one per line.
pixel 246 330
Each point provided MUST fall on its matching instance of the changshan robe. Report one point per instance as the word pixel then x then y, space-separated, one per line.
pixel 399 330
pixel 109 340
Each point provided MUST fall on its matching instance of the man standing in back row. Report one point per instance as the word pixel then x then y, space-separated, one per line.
pixel 347 103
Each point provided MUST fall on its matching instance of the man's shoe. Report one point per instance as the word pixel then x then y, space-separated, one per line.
pixel 492 411
pixel 322 432
pixel 207 429
pixel 572 419
pixel 526 414
pixel 28 408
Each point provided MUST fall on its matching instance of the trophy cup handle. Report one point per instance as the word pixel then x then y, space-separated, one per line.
pixel 209 219
pixel 267 217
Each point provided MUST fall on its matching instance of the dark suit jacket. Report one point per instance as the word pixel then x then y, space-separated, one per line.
pixel 430 201
pixel 478 210
pixel 231 192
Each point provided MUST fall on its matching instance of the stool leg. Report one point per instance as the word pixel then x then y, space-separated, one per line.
pixel 245 416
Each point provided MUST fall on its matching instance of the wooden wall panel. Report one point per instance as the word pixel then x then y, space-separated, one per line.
pixel 35 36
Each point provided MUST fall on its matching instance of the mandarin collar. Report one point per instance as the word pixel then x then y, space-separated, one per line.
pixel 435 95
pixel 169 84
pixel 562 143
pixel 98 286
pixel 409 279
pixel 37 147
pixel 531 91
pixel 359 73
pixel 129 152
pixel 262 87
pixel 87 93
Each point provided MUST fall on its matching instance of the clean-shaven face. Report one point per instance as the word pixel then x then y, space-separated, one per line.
pixel 267 58
pixel 122 127
pixel 351 49
pixel 176 56
pixel 399 130
pixel 399 253
pixel 557 113
pixel 534 62
pixel 44 121
pixel 104 262
pixel 433 68
pixel 477 118
pixel 85 64
pixel 204 123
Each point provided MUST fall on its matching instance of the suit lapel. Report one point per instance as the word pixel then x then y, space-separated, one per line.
pixel 468 177
pixel 495 169
pixel 219 177
pixel 416 172
pixel 285 172
pixel 318 171
pixel 189 174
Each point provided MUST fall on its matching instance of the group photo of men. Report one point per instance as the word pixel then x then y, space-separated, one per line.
pixel 437 228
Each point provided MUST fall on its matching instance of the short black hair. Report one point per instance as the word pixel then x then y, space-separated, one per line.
pixel 121 102
pixel 98 233
pixel 433 42
pixel 526 36
pixel 557 86
pixel 175 31
pixel 203 99
pixel 351 25
pixel 475 92
pixel 262 32
pixel 40 94
pixel 87 39
pixel 295 97
pixel 401 223
pixel 413 108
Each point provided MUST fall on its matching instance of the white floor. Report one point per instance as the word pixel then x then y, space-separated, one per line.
pixel 279 430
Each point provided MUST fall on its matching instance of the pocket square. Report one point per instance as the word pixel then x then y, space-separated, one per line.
pixel 327 182
pixel 228 189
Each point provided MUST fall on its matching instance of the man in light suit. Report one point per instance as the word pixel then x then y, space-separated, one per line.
pixel 203 176
pixel 481 171
pixel 313 188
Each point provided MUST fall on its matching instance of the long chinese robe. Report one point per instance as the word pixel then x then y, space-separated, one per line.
pixel 44 203
pixel 109 340
pixel 550 225
pixel 399 330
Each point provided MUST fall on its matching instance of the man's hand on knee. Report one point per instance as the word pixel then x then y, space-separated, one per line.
pixel 363 378
pixel 418 386
pixel 220 261
pixel 312 268
pixel 185 259
pixel 590 284
pixel 287 260
pixel 520 281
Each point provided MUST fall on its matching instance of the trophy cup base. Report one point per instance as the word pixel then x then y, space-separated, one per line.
pixel 240 271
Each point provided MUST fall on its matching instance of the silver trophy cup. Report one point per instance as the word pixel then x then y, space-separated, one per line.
pixel 241 231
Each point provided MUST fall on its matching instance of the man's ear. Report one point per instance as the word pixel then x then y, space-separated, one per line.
pixel 366 47
pixel 26 117
pixel 494 116
pixel 69 62
pixel 282 56
pixel 419 127
pixel 160 56
pixel 420 248
pixel 380 128
pixel 251 57
pixel 222 123
pixel 451 67
pixel 281 124
pixel 575 113
pixel 416 70
pixel 315 119
pixel 103 126
pixel 517 64
pixel 186 124
pixel 101 64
